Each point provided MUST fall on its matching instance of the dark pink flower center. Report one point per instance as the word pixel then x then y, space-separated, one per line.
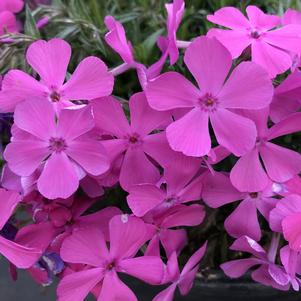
pixel 253 195
pixel 255 34
pixel 55 96
pixel 208 102
pixel 57 144
pixel 134 139
pixel 110 266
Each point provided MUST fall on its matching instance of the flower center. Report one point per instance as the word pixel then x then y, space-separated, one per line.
pixel 134 139
pixel 57 144
pixel 55 96
pixel 110 266
pixel 208 102
pixel 255 34
pixel 253 195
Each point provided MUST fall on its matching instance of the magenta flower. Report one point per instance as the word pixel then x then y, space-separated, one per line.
pixel 8 23
pixel 248 87
pixel 63 148
pixel 21 256
pixel 286 98
pixel 180 188
pixel 127 235
pixel 218 191
pixel 50 60
pixel 135 143
pixel 168 45
pixel 286 218
pixel 281 164
pixel 183 280
pixel 13 6
pixel 266 273
pixel 269 47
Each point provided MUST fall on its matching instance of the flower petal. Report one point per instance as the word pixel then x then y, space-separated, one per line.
pixel 90 247
pixel 248 87
pixel 76 286
pixel 272 59
pixel 143 118
pixel 236 133
pixel 236 41
pixel 162 96
pixel 59 178
pixel 244 220
pixel 291 230
pixel 204 55
pixel 36 117
pixel 90 80
pixel 248 174
pixel 280 163
pixel 261 20
pixel 144 197
pixel 229 17
pixel 50 59
pixel 8 203
pixel 190 134
pixel 147 268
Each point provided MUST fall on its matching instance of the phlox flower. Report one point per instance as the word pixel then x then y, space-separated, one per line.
pixel 184 279
pixel 127 235
pixel 286 219
pixel 218 191
pixel 209 62
pixel 286 98
pixel 179 187
pixel 22 256
pixel 134 143
pixel 50 60
pixel 62 147
pixel 266 273
pixel 270 47
pixel 281 164
pixel 8 22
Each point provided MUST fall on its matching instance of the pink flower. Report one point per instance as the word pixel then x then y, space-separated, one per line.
pixel 90 80
pixel 127 235
pixel 168 45
pixel 20 255
pixel 62 148
pixel 248 87
pixel 281 164
pixel 286 218
pixel 286 98
pixel 270 48
pixel 181 187
pixel 218 191
pixel 135 143
pixel 266 273
pixel 183 280
pixel 13 6
pixel 8 23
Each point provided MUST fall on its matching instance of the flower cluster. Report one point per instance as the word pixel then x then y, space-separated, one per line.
pixel 72 141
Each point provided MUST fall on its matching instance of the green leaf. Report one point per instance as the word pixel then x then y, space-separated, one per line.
pixel 30 27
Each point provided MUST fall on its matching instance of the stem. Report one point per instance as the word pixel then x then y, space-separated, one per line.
pixel 120 69
pixel 183 44
pixel 273 247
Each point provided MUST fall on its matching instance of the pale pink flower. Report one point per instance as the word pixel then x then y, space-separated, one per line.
pixel 281 164
pixel 209 62
pixel 127 235
pixel 63 148
pixel 50 60
pixel 270 47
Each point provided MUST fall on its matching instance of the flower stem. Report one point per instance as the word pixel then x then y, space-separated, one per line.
pixel 120 69
pixel 183 44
